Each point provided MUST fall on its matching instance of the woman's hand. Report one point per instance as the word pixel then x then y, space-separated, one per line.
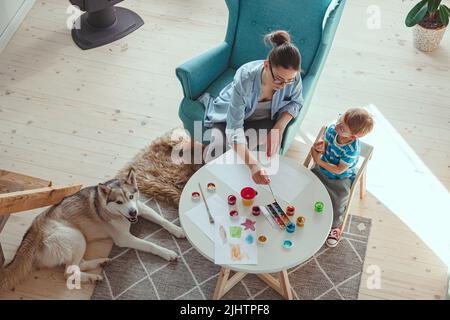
pixel 273 141
pixel 259 175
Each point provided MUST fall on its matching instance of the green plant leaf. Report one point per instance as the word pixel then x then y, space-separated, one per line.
pixel 443 14
pixel 433 5
pixel 446 9
pixel 416 14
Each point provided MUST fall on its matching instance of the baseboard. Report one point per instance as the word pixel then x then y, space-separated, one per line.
pixel 15 22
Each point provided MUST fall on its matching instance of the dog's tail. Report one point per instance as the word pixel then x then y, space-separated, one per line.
pixel 23 261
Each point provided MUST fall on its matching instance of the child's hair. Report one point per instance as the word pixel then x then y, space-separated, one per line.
pixel 284 53
pixel 359 121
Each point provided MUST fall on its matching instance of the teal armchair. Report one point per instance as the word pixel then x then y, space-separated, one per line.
pixel 248 22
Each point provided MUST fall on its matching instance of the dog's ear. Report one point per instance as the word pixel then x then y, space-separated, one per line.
pixel 131 178
pixel 103 190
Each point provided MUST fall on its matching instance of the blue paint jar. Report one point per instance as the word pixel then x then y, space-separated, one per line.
pixel 290 227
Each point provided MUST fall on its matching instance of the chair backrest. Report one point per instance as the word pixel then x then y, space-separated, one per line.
pixel 364 157
pixel 255 18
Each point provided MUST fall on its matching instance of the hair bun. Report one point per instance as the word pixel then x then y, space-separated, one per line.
pixel 278 38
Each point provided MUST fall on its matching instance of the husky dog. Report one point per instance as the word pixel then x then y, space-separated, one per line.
pixel 59 235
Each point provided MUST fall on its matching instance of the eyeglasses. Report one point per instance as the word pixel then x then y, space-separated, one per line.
pixel 278 80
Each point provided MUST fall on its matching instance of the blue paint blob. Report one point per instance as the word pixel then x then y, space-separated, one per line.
pixel 249 239
pixel 287 244
pixel 290 227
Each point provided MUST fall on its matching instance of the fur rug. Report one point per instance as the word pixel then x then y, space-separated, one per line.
pixel 158 176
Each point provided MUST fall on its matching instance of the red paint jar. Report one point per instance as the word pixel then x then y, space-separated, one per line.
pixel 256 211
pixel 231 200
pixel 248 195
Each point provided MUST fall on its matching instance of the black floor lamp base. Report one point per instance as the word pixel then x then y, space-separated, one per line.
pixel 105 26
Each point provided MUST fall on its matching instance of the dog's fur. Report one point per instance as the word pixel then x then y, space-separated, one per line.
pixel 59 235
pixel 158 176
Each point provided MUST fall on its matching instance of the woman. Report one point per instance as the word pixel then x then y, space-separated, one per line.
pixel 265 95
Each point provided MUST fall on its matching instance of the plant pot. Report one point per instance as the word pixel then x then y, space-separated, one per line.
pixel 427 39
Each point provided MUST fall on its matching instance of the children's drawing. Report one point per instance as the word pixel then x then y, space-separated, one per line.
pixel 233 245
pixel 223 234
pixel 249 224
pixel 235 232
pixel 236 252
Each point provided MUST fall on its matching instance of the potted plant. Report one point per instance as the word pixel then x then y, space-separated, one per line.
pixel 429 19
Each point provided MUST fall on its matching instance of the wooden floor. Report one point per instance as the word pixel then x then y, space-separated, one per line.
pixel 77 116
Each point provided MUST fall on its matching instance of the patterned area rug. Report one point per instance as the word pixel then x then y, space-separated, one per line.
pixel 330 274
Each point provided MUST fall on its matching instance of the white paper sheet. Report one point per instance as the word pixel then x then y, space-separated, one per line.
pixel 230 169
pixel 286 182
pixel 236 246
pixel 199 216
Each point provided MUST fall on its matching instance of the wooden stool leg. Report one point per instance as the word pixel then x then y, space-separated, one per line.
pixel 285 285
pixel 362 186
pixel 221 283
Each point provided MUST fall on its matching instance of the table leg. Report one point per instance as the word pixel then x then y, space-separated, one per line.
pixel 282 285
pixel 3 220
pixel 285 285
pixel 2 256
pixel 220 286
pixel 224 285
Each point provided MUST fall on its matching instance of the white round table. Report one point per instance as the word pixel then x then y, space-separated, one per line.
pixel 272 257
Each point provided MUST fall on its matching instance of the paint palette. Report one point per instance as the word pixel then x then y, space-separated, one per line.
pixel 277 215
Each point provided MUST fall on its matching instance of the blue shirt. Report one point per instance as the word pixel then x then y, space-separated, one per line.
pixel 238 100
pixel 336 153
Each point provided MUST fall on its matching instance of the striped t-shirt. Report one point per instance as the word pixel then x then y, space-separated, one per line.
pixel 336 152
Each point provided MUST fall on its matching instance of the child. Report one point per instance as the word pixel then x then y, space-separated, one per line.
pixel 335 159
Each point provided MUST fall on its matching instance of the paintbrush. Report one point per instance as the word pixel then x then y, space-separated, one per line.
pixel 211 219
pixel 274 199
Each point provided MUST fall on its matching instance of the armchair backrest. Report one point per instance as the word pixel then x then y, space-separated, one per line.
pixel 250 20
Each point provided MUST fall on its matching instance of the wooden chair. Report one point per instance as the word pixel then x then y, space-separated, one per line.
pixel 366 155
pixel 19 192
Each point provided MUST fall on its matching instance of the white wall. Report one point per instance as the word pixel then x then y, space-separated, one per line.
pixel 12 12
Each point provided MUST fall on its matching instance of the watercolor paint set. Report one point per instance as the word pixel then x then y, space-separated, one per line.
pixel 275 215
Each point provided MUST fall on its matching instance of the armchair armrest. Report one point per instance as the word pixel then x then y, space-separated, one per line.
pixel 309 85
pixel 197 74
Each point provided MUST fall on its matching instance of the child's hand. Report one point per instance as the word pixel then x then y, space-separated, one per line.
pixel 315 155
pixel 319 146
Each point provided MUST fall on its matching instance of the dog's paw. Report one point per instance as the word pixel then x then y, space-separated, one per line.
pixel 96 279
pixel 170 255
pixel 106 262
pixel 179 233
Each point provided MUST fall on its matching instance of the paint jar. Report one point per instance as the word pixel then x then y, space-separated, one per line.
pixel 290 228
pixel 290 210
pixel 318 207
pixel 262 239
pixel 256 211
pixel 234 214
pixel 231 200
pixel 300 221
pixel 211 187
pixel 248 195
pixel 288 244
pixel 195 196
